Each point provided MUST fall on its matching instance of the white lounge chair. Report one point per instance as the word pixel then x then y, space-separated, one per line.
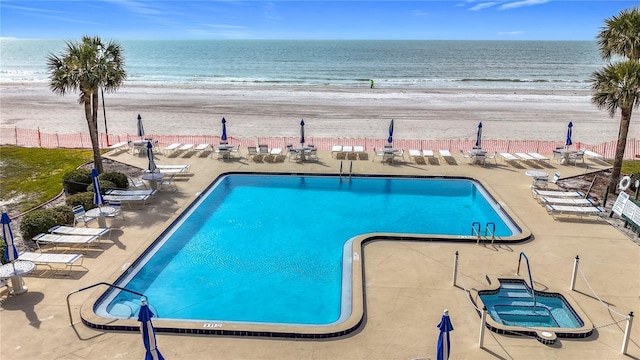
pixel 186 147
pixel 118 147
pixel 509 158
pixel 64 240
pixel 116 192
pixel 415 155
pixel 178 168
pixel 580 211
pixel 49 259
pixel 171 148
pixel 593 155
pixel 128 199
pixel 539 157
pixel 359 151
pixel 68 230
pixel 274 154
pixel 336 149
pixel 525 157
pixel 445 154
pixel 553 193
pixel 201 147
pixel 566 201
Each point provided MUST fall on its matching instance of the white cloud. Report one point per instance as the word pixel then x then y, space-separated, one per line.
pixel 483 6
pixel 419 12
pixel 517 4
pixel 517 32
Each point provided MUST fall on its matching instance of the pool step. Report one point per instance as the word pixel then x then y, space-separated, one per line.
pixel 517 294
pixel 514 286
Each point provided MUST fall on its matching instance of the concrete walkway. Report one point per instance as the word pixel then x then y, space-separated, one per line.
pixel 408 284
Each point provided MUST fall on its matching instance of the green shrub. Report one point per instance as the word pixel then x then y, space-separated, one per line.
pixel 40 221
pixel 3 245
pixel 119 179
pixel 76 181
pixel 84 198
pixel 105 185
pixel 63 214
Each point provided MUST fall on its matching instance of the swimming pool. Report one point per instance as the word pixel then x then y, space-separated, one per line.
pixel 276 249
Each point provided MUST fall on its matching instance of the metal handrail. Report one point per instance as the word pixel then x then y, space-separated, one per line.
pixel 533 291
pixel 475 231
pixel 92 286
pixel 492 231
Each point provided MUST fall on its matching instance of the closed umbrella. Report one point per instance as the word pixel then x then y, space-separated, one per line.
pixel 479 137
pixel 569 127
pixel 140 127
pixel 152 164
pixel 390 138
pixel 223 138
pixel 302 132
pixel 98 199
pixel 10 251
pixel 444 346
pixel 148 333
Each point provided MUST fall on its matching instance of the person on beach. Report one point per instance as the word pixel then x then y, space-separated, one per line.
pixel 371 83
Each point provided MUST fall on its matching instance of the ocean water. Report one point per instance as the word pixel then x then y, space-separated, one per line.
pixel 421 64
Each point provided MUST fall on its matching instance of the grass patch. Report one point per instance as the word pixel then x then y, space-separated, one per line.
pixel 630 167
pixel 32 176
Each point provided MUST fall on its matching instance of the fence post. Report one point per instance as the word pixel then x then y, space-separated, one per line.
pixel 627 333
pixel 455 269
pixel 575 271
pixel 483 322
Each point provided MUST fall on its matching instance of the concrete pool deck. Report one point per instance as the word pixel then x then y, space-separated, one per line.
pixel 407 284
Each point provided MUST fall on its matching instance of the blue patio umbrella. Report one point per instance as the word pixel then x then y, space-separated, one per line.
pixel 10 251
pixel 479 136
pixel 148 333
pixel 97 192
pixel 223 138
pixel 140 127
pixel 569 127
pixel 390 138
pixel 444 346
pixel 152 164
pixel 302 132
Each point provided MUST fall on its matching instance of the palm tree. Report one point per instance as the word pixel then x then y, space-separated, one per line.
pixel 621 35
pixel 86 67
pixel 617 86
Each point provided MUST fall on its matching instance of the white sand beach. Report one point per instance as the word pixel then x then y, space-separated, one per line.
pixel 272 111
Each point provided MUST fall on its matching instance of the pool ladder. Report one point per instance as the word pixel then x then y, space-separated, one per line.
pixel 350 168
pixel 489 230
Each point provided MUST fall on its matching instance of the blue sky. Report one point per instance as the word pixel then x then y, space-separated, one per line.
pixel 229 19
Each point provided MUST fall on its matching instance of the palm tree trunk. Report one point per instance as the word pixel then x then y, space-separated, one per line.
pixel 91 110
pixel 625 120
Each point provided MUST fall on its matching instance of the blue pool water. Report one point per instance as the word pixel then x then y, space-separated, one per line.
pixel 513 305
pixel 270 248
